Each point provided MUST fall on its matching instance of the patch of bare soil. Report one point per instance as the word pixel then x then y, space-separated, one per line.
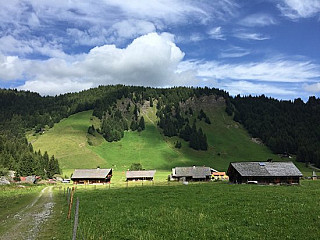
pixel 27 223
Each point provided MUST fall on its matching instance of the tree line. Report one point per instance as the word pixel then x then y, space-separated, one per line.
pixel 286 127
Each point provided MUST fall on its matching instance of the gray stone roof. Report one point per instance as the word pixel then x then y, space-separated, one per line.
pixel 140 174
pixel 91 173
pixel 194 172
pixel 267 169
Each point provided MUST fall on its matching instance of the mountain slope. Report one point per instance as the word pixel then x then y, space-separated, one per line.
pixel 228 141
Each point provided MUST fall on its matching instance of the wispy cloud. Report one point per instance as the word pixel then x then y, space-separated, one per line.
pixel 216 33
pixel 234 52
pixel 312 88
pixel 269 70
pixel 251 36
pixel 91 23
pixel 253 88
pixel 258 20
pixel 295 9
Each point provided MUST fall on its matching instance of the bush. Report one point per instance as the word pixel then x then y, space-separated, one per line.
pixel 135 166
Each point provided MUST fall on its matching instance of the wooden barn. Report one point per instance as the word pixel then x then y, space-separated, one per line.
pixel 190 174
pixel 140 175
pixel 264 172
pixel 92 176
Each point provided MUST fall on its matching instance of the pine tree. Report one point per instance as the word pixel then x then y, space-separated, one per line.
pixel 141 123
pixel 133 125
pixel 51 167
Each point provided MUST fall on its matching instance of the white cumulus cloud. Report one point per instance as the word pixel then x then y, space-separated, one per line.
pixel 150 60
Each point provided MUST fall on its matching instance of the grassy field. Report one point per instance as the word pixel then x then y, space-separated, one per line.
pixel 68 142
pixel 228 142
pixel 197 211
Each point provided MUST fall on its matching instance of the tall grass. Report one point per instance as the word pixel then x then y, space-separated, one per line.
pixel 201 211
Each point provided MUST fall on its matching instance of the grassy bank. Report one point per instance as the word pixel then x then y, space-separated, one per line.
pixel 207 210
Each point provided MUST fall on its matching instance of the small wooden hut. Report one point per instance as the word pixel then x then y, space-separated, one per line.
pixel 264 173
pixel 92 176
pixel 191 174
pixel 140 175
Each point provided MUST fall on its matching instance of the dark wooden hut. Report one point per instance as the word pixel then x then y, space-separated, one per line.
pixel 92 176
pixel 140 175
pixel 264 172
pixel 191 174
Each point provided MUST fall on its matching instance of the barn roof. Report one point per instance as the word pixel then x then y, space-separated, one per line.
pixel 91 173
pixel 140 174
pixel 194 172
pixel 267 169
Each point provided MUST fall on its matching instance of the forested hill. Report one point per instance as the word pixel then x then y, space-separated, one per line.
pixel 23 111
pixel 290 127
pixel 284 126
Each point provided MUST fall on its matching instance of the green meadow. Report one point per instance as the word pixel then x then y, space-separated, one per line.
pixel 195 211
pixel 228 142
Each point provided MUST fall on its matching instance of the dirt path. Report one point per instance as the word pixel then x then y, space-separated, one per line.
pixel 27 223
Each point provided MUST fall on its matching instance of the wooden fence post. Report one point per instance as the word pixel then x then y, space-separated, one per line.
pixel 70 204
pixel 68 195
pixel 76 220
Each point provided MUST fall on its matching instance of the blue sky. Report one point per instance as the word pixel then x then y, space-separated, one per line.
pixel 269 47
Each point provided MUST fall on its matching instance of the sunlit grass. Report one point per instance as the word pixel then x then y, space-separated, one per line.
pixel 200 211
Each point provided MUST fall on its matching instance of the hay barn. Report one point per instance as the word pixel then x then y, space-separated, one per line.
pixel 264 173
pixel 140 175
pixel 190 174
pixel 92 176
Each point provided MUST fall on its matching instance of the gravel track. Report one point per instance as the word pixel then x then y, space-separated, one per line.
pixel 27 223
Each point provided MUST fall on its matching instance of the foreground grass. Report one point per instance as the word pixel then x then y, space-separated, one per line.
pixel 14 198
pixel 207 210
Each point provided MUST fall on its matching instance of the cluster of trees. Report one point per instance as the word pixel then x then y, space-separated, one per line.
pixel 17 155
pixel 196 138
pixel 173 123
pixel 113 126
pixel 204 116
pixel 114 122
pixel 284 126
pixel 136 167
